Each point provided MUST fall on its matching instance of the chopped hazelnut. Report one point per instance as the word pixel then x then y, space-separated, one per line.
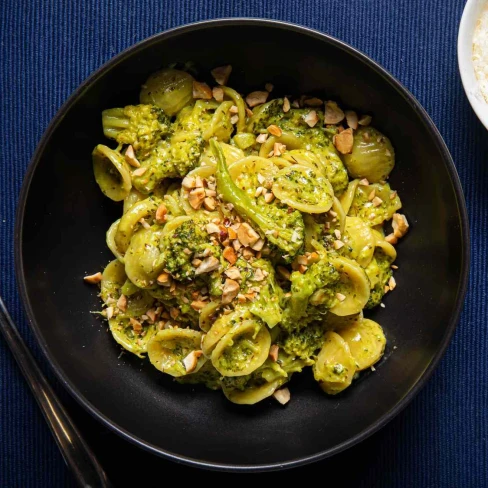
pixel 201 90
pixel 344 141
pixel 196 198
pixel 286 105
pixel 282 395
pixel 247 235
pixel 352 119
pixel 230 290
pixel 221 74
pixel 273 352
pixel 256 98
pixel 94 278
pixel 333 114
pixel 208 264
pixel 275 130
pixel 130 157
pixel 230 255
pixel 218 93
pixel 161 213
pixel 191 361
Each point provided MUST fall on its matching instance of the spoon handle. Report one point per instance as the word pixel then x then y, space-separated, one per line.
pixel 76 453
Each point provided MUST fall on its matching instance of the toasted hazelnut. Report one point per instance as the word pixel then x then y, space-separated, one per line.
pixel 136 325
pixel 164 279
pixel 196 198
pixel 212 228
pixel 191 361
pixel 302 260
pixel 340 297
pixel 122 303
pixel 208 264
pixel 282 395
pixel 364 182
pixel 161 213
pixel 139 171
pixel 209 203
pixel 247 235
pixel 230 255
pixel 269 197
pixel 234 119
pixel 247 253
pixel 392 283
pixel 333 114
pixel 274 130
pixel 110 312
pixel 94 278
pixel 218 93
pixel 344 141
pixel 286 105
pixel 285 273
pixel 258 245
pixel 278 149
pixel 198 304
pixel 201 90
pixel 258 275
pixel 352 119
pixel 234 109
pixel 377 201
pixel 311 118
pixel 302 268
pixel 261 138
pixel 130 157
pixel 313 258
pixel 233 273
pixel 400 225
pixel 188 182
pixel 232 233
pixel 221 74
pixel 230 290
pixel 372 195
pixel 256 98
pixel 273 352
pixel 269 87
pixel 174 312
pixel 338 244
pixel 365 120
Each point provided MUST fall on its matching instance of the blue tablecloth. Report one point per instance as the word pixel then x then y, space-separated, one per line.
pixel 48 47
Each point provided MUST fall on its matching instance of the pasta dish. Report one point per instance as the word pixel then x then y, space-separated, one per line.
pixel 255 232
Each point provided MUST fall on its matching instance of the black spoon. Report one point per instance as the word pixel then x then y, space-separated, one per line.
pixel 76 453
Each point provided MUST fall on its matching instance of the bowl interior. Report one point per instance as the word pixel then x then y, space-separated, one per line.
pixel 63 237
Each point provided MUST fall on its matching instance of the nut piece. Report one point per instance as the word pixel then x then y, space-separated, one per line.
pixel 233 273
pixel 212 228
pixel 269 87
pixel 247 235
pixel 343 141
pixel 130 157
pixel 136 325
pixel 208 264
pixel 269 197
pixel 392 283
pixel 122 303
pixel 218 93
pixel 311 118
pixel 230 255
pixel 377 201
pixel 139 171
pixel 196 198
pixel 338 244
pixel 352 119
pixel 198 304
pixel 340 297
pixel 278 149
pixel 221 74
pixel 201 90
pixel 188 183
pixel 258 246
pixel 364 182
pixel 256 98
pixel 400 225
pixel 365 120
pixel 284 272
pixel 313 102
pixel 275 130
pixel 230 290
pixel 161 213
pixel 164 279
pixel 273 352
pixel 286 105
pixel 94 278
pixel 191 361
pixel 282 395
pixel 209 203
pixel 110 312
pixel 261 138
pixel 333 114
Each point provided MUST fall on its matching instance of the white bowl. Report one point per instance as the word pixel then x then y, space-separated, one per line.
pixel 471 14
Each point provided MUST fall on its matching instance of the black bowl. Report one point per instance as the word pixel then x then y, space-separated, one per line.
pixel 60 236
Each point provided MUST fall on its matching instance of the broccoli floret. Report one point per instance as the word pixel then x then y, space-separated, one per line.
pixel 266 305
pixel 285 230
pixel 304 343
pixel 379 273
pixel 181 246
pixel 312 294
pixel 142 126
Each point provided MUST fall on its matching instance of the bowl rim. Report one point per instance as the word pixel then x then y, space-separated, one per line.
pixel 441 146
pixel 470 15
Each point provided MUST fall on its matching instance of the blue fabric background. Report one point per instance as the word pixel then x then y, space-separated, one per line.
pixel 49 47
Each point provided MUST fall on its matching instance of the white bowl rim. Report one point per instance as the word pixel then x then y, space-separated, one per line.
pixel 471 13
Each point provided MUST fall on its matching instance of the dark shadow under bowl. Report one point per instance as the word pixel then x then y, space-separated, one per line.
pixel 63 217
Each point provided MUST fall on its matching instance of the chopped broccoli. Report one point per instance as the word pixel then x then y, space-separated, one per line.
pixel 312 293
pixel 183 244
pixel 304 343
pixel 379 272
pixel 142 126
pixel 285 230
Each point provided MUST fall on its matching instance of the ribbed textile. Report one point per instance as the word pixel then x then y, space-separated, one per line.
pixel 48 47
